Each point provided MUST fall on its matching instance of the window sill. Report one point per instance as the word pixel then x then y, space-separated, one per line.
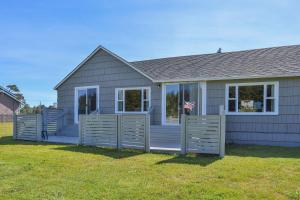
pixel 131 112
pixel 252 113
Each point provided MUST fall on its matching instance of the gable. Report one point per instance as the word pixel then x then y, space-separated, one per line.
pixel 103 56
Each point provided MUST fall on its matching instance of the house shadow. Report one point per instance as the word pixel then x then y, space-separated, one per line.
pixel 108 152
pixel 259 151
pixel 192 159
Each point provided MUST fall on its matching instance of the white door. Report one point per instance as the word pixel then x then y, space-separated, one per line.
pixel 182 98
pixel 86 101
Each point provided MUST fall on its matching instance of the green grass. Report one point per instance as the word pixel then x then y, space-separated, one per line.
pixel 30 170
pixel 6 128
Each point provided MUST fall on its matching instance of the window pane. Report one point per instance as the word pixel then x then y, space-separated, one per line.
pixel 232 92
pixel 92 98
pixel 146 105
pixel 120 94
pixel 81 101
pixel 133 100
pixel 120 106
pixel 190 99
pixel 146 94
pixel 231 106
pixel 251 98
pixel 270 90
pixel 172 95
pixel 270 105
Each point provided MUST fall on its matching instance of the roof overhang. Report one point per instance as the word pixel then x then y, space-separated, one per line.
pixel 91 55
pixel 224 78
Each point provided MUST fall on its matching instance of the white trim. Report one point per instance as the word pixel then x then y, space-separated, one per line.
pixel 201 85
pixel 76 99
pixel 142 99
pixel 224 78
pixel 236 85
pixel 91 55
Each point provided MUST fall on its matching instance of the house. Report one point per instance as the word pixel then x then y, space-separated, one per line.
pixel 259 88
pixel 8 102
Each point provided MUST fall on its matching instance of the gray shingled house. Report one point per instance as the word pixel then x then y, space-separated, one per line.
pixel 259 88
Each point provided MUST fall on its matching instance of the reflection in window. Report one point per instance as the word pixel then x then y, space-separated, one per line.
pixel 259 98
pixel 132 100
pixel 251 98
pixel 172 104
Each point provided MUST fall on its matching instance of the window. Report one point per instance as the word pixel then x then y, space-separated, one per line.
pixel 132 100
pixel 252 98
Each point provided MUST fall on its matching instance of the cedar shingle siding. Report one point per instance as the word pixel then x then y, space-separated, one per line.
pixel 109 73
pixel 282 129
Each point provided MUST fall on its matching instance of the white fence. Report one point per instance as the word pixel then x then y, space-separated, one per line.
pixel 27 127
pixel 203 134
pixel 117 131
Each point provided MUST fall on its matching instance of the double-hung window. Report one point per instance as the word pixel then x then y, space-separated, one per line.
pixel 132 100
pixel 252 98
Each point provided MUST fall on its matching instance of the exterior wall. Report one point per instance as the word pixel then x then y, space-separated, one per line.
pixel 282 129
pixel 109 73
pixel 8 105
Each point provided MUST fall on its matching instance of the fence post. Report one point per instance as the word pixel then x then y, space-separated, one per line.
pixel 14 126
pixel 119 123
pixel 147 133
pixel 222 130
pixel 183 134
pixel 39 127
pixel 80 129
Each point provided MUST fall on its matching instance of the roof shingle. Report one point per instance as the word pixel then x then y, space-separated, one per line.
pixel 258 63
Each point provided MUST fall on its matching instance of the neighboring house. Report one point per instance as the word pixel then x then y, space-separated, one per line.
pixel 8 102
pixel 259 88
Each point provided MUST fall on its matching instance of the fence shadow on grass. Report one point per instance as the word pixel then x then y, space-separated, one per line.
pixel 262 151
pixel 191 159
pixel 109 152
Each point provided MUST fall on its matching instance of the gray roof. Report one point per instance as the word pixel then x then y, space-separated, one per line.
pixel 258 63
pixel 8 93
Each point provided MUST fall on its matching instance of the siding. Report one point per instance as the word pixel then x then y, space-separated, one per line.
pixel 7 105
pixel 109 73
pixel 282 129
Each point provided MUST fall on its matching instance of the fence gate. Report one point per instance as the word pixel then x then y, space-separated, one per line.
pixel 28 127
pixel 98 130
pixel 203 134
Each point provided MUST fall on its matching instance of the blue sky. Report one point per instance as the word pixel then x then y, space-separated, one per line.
pixel 42 41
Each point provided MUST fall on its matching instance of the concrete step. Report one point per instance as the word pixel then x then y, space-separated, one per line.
pixel 165 137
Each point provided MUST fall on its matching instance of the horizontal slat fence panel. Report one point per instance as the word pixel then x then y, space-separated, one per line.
pixel 117 131
pixel 99 130
pixel 203 134
pixel 52 115
pixel 133 131
pixel 27 127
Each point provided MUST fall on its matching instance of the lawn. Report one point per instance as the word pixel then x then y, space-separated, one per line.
pixel 6 128
pixel 30 170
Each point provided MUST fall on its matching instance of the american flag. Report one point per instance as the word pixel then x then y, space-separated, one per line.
pixel 189 105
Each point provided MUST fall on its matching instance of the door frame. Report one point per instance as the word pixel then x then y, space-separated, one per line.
pixel 201 85
pixel 76 99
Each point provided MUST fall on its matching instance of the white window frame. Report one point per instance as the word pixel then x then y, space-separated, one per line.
pixel 142 99
pixel 76 99
pixel 201 87
pixel 236 85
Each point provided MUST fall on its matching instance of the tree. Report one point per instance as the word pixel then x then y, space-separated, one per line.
pixel 15 90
